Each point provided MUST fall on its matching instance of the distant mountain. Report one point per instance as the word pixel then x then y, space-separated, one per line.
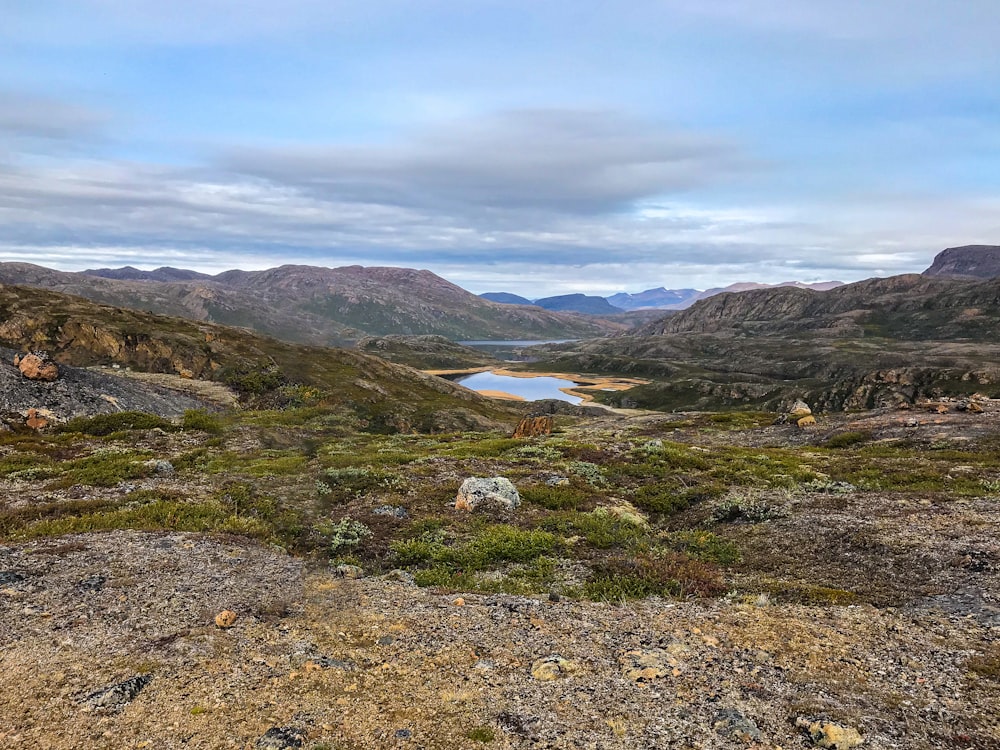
pixel 164 273
pixel 968 261
pixel 506 298
pixel 581 303
pixel 652 298
pixel 324 306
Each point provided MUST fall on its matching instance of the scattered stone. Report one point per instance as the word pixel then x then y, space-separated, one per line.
pixel 403 576
pixel 556 480
pixel 37 366
pixel 7 577
pixel 534 426
pixel 37 420
pixel 974 408
pixel 393 511
pixel 404 734
pixel 941 409
pixel 459 602
pixel 349 571
pixel 731 723
pixel 644 666
pixel 160 466
pixel 225 619
pixel 806 422
pixel 386 640
pixel 552 668
pixel 477 491
pixel 326 662
pixel 91 584
pixel 829 735
pixel 554 597
pixel 799 409
pixel 282 738
pixel 114 698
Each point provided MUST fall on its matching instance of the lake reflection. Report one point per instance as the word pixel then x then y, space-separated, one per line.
pixel 530 389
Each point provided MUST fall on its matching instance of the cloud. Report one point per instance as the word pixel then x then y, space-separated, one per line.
pixel 542 160
pixel 29 116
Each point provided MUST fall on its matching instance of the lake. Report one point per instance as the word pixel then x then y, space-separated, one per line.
pixel 530 389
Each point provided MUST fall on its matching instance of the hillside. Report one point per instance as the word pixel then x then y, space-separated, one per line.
pixel 910 307
pixel 323 306
pixel 381 395
pixel 968 262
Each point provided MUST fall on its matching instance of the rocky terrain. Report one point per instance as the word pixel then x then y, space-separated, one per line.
pixel 835 586
pixel 312 305
pixel 968 261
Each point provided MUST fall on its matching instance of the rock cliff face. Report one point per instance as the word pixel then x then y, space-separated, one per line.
pixel 968 262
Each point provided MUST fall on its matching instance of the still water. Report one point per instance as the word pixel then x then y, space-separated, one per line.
pixel 530 389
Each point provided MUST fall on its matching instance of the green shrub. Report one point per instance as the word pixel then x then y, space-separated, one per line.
pixel 345 534
pixel 103 469
pixel 558 497
pixel 704 546
pixel 199 419
pixel 588 471
pixel 601 530
pixel 667 575
pixel 105 424
pixel 847 439
pixel 751 507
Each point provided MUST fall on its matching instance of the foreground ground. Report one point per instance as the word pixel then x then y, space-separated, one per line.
pixel 688 581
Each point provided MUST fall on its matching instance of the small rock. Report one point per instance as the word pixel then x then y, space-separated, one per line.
pixel 459 602
pixel 35 420
pixel 403 576
pixel 349 571
pixel 799 409
pixel 38 366
pixel 974 408
pixel 554 597
pixel 326 662
pixel 477 491
pixel 92 583
pixel 806 422
pixel 731 723
pixel 552 668
pixel 556 480
pixel 829 735
pixel 386 640
pixel 394 511
pixel 403 734
pixel 160 466
pixel 282 738
pixel 115 697
pixel 534 426
pixel 225 619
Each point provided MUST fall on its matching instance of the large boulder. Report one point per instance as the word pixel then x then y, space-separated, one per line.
pixel 534 426
pixel 490 491
pixel 37 366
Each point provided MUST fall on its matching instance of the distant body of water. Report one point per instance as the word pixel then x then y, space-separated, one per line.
pixel 530 389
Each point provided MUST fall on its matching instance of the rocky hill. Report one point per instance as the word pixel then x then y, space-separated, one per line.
pixel 264 370
pixel 968 262
pixel 910 307
pixel 164 273
pixel 323 306
pixel 506 298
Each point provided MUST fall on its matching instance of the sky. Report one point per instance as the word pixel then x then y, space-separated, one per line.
pixel 534 147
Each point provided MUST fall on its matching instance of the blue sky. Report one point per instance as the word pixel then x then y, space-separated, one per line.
pixel 539 148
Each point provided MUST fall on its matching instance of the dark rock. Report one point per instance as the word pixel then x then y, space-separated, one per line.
pixel 8 577
pixel 282 738
pixel 394 511
pixel 115 697
pixel 327 662
pixel 404 734
pixel 90 584
pixel 731 723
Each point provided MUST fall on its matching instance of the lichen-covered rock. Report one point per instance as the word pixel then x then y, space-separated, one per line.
pixel 37 366
pixel 534 427
pixel 806 422
pixel 479 491
pixel 552 668
pixel 800 409
pixel 225 619
pixel 115 697
pixel 828 735
pixel 282 738
pixel 733 724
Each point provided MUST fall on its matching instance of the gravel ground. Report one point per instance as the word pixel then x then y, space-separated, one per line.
pixel 109 641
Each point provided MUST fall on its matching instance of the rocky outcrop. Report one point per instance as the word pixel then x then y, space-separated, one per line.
pixel 967 262
pixel 497 492
pixel 534 426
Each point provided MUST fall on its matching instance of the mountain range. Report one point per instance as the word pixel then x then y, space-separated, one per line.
pixel 651 299
pixel 313 305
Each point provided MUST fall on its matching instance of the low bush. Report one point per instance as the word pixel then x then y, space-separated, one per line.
pixel 101 425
